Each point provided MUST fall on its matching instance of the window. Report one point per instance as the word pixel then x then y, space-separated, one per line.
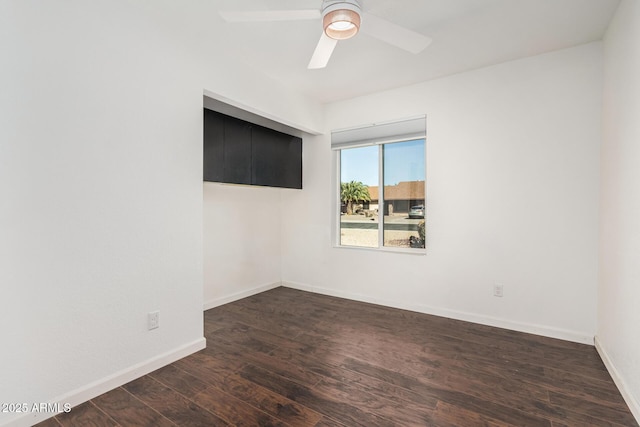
pixel 381 185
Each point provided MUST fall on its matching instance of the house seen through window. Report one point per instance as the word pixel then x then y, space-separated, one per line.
pixel 382 194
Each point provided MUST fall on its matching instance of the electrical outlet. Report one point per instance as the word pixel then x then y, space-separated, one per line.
pixel 153 320
pixel 498 290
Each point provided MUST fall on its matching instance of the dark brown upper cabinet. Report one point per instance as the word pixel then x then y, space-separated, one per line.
pixel 239 152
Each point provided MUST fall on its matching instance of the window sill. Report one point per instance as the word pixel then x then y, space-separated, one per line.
pixel 387 249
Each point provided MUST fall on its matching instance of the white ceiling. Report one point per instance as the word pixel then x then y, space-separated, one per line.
pixel 467 34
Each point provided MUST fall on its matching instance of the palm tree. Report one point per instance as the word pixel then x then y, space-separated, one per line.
pixel 353 191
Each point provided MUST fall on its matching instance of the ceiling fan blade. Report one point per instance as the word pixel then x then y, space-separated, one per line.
pixel 323 52
pixel 394 34
pixel 269 15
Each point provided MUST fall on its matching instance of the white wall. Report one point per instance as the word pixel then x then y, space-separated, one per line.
pixel 619 290
pixel 101 209
pixel 512 197
pixel 242 241
pixel 242 223
pixel 101 194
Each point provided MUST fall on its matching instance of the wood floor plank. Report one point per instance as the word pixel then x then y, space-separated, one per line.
pixel 275 404
pixel 86 414
pixel 172 404
pixel 325 404
pixel 592 409
pixel 328 422
pixel 214 360
pixel 272 403
pixel 502 341
pixel 456 397
pixel 265 360
pixel 49 422
pixel 337 371
pixel 288 357
pixel 496 390
pixel 399 412
pixel 447 415
pixel 127 410
pixel 179 380
pixel 235 411
pixel 484 384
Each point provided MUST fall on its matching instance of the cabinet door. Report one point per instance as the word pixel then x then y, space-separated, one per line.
pixel 292 154
pixel 213 156
pixel 237 151
pixel 276 158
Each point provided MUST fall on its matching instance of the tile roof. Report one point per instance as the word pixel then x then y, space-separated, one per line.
pixel 404 190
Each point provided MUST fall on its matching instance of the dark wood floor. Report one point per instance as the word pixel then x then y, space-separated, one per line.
pixel 287 357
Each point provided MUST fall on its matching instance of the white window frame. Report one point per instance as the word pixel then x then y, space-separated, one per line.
pixel 379 134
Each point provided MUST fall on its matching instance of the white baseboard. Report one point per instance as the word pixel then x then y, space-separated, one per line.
pixel 634 405
pixel 239 295
pixel 546 331
pixel 96 388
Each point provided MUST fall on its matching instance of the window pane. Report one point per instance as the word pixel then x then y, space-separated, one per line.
pixel 404 194
pixel 358 215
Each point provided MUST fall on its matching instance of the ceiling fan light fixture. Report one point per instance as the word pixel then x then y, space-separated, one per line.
pixel 341 19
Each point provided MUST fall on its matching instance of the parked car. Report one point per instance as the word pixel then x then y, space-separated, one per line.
pixel 416 211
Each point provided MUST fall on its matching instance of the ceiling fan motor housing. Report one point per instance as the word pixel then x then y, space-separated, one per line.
pixel 341 18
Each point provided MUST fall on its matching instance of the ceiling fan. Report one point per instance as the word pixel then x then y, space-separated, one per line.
pixel 341 20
